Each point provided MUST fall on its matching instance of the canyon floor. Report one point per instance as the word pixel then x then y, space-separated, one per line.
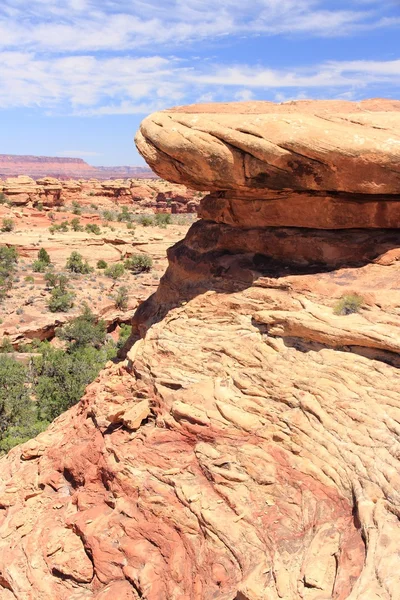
pixel 24 313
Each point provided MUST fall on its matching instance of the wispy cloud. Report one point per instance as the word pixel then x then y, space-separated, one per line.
pixel 91 25
pixel 89 86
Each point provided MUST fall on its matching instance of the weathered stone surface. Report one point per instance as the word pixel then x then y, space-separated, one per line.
pixel 247 448
pixel 302 209
pixel 304 145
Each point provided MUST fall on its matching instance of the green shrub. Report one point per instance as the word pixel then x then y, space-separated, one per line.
pixel 146 221
pixel 125 215
pixel 39 267
pixel 348 304
pixel 18 416
pixel 124 333
pixel 51 279
pixel 163 219
pixel 3 198
pixel 43 256
pixel 76 224
pixel 61 377
pixel 6 346
pixel 93 228
pixel 115 271
pixel 130 225
pixel 75 264
pixel 8 261
pixel 108 215
pixel 76 208
pixel 84 330
pixel 60 300
pixel 93 205
pixel 39 206
pixel 101 264
pixel 121 299
pixel 8 224
pixel 139 263
pixel 29 279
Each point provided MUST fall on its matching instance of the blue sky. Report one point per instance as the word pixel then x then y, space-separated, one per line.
pixel 77 76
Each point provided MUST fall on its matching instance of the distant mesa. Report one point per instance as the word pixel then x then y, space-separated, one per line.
pixel 12 165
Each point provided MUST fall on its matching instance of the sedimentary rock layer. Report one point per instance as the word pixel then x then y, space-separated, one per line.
pixel 247 447
pixel 302 146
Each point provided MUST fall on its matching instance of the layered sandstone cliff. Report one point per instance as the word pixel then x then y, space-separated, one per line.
pixel 247 448
pixel 14 165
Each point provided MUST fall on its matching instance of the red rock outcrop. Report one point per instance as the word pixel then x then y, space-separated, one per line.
pixel 50 192
pixel 247 448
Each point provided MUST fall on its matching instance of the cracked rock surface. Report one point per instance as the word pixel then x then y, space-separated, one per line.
pixel 247 447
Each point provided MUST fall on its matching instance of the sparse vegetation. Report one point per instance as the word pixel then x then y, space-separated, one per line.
pixel 93 228
pixel 108 215
pixel 115 271
pixel 76 208
pixel 8 262
pixel 3 198
pixel 8 224
pixel 163 219
pixel 121 299
pixel 101 264
pixel 85 330
pixel 76 264
pixel 60 300
pixel 348 304
pixel 139 263
pixel 146 220
pixel 76 224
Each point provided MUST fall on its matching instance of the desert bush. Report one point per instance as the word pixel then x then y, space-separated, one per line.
pixel 8 224
pixel 39 267
pixel 60 300
pixel 8 262
pixel 6 346
pixel 124 333
pixel 76 208
pixel 93 228
pixel 163 219
pixel 139 263
pixel 125 215
pixel 76 224
pixel 29 279
pixel 3 198
pixel 101 264
pixel 51 279
pixel 39 206
pixel 130 225
pixel 108 215
pixel 348 304
pixel 18 416
pixel 44 256
pixel 76 264
pixel 121 298
pixel 146 220
pixel 115 271
pixel 84 330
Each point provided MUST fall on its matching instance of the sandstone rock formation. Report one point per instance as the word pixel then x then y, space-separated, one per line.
pixel 247 448
pixel 155 194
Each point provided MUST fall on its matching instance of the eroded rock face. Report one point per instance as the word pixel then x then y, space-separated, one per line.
pixel 247 446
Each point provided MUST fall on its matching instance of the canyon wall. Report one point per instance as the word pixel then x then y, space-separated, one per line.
pixel 247 446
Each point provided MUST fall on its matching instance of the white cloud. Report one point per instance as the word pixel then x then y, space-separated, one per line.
pixel 95 25
pixel 89 86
